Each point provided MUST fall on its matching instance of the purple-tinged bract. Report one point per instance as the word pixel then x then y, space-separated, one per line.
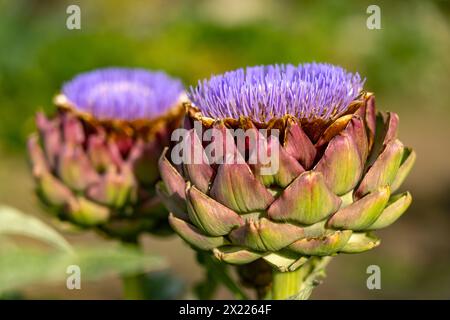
pixel 95 159
pixel 306 91
pixel 125 94
pixel 339 164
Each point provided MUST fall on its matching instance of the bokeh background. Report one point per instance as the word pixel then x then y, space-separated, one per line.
pixel 406 64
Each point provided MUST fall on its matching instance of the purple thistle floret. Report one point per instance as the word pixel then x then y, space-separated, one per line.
pixel 121 93
pixel 307 91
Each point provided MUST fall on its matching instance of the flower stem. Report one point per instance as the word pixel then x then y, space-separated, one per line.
pixel 299 284
pixel 133 285
pixel 286 284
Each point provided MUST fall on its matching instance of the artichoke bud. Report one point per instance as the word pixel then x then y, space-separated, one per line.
pixel 339 164
pixel 95 159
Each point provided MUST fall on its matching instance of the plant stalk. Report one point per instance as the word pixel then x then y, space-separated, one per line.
pixel 299 284
pixel 133 285
pixel 286 284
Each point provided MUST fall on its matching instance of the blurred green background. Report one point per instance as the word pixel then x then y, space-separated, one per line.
pixel 406 64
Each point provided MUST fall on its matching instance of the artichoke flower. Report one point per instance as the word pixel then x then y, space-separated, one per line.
pixel 339 166
pixel 95 160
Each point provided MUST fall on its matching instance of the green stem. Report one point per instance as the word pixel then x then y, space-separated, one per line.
pixel 133 284
pixel 299 284
pixel 286 284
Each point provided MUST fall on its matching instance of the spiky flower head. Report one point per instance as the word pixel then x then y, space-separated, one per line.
pixel 126 94
pixel 308 91
pixel 94 159
pixel 340 163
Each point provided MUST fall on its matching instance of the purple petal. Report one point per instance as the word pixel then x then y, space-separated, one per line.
pixel 308 91
pixel 121 93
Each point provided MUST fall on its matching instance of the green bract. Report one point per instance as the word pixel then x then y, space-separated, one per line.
pixel 101 173
pixel 336 183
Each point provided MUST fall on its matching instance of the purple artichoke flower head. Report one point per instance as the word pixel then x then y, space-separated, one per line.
pixel 307 91
pixel 95 159
pixel 121 93
pixel 338 163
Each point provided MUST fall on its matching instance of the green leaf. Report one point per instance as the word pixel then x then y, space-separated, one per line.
pixel 27 265
pixel 97 262
pixel 21 267
pixel 14 222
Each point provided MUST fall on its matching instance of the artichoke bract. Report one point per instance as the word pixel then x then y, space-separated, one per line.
pixel 95 159
pixel 339 164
